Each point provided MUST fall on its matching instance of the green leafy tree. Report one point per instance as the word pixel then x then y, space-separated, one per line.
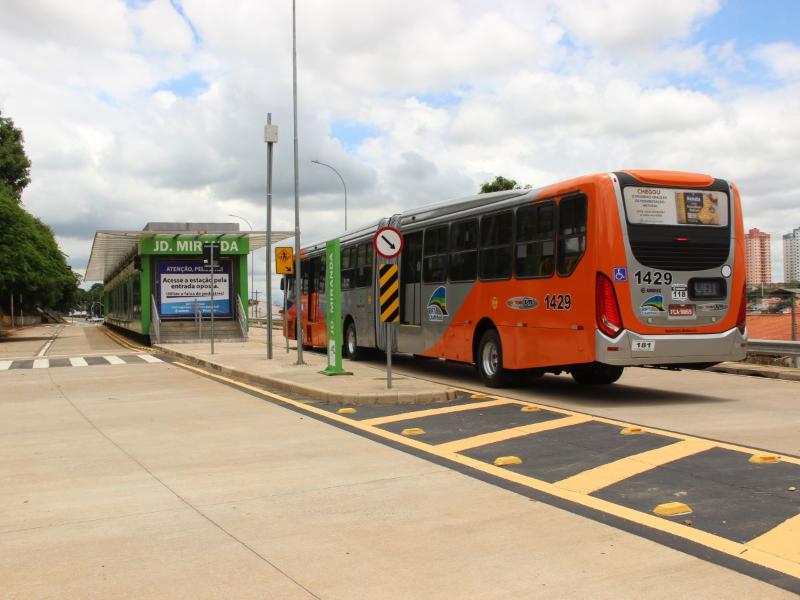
pixel 15 167
pixel 500 184
pixel 32 265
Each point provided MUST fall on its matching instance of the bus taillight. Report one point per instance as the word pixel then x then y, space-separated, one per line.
pixel 609 319
pixel 741 318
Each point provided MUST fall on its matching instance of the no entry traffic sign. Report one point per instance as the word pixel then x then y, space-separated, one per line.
pixel 388 242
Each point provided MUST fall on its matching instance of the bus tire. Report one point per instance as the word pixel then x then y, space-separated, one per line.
pixel 489 360
pixel 351 349
pixel 596 374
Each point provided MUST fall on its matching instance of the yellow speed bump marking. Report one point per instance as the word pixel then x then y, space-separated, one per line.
pixel 631 431
pixel 608 474
pixel 530 408
pixel 783 540
pixel 672 509
pixel 478 396
pixel 431 412
pixel 504 461
pixel 773 558
pixel 412 431
pixel 765 458
pixel 346 411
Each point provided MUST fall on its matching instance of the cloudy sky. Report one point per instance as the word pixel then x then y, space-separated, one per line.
pixel 153 110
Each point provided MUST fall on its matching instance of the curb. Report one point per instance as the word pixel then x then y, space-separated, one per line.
pixel 320 395
pixel 771 372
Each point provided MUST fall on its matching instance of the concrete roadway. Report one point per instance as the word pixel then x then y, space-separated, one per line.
pixel 148 481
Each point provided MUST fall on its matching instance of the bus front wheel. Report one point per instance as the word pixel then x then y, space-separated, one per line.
pixel 596 374
pixel 490 360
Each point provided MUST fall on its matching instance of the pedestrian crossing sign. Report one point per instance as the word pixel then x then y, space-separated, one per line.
pixel 284 260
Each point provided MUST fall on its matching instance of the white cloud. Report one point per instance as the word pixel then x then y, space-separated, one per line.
pixel 454 93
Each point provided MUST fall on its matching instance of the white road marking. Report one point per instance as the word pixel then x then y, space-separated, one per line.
pixel 41 363
pixel 114 360
pixel 149 358
pixel 78 361
pixel 46 347
pixel 5 364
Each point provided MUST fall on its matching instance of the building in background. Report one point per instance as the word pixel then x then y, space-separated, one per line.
pixel 791 256
pixel 759 260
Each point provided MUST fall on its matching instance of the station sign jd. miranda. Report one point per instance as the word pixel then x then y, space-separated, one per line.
pixel 193 244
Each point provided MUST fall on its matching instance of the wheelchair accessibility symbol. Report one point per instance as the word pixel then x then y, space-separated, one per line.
pixel 620 274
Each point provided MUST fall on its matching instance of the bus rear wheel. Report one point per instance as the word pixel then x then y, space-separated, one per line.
pixel 490 360
pixel 351 349
pixel 596 374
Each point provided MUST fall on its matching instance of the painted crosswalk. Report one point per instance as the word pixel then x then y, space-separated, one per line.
pixel 78 361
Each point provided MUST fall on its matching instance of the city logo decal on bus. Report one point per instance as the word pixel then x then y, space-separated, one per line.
pixel 437 305
pixel 522 303
pixel 653 305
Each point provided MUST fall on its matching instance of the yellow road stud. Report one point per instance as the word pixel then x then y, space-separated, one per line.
pixel 631 431
pixel 672 509
pixel 530 408
pixel 478 396
pixel 764 458
pixel 346 411
pixel 504 461
pixel 412 431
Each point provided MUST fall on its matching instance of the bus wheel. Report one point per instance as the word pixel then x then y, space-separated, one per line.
pixel 596 374
pixel 490 360
pixel 351 342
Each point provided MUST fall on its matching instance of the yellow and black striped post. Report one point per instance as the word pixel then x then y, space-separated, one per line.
pixel 389 284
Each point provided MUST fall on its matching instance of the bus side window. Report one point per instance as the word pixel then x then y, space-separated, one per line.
pixel 464 250
pixel 434 266
pixel 572 233
pixel 320 285
pixel 535 241
pixel 304 268
pixel 495 256
pixel 348 269
pixel 364 265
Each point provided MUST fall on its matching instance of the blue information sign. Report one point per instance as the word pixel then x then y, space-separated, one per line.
pixel 184 286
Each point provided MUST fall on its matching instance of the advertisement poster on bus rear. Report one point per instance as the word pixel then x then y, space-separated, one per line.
pixel 184 286
pixel 662 206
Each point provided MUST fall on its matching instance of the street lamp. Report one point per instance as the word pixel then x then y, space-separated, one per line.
pixel 343 184
pixel 252 284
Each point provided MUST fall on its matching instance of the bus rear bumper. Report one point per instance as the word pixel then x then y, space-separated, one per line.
pixel 632 348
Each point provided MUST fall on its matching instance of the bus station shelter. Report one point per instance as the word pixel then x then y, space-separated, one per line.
pixel 156 287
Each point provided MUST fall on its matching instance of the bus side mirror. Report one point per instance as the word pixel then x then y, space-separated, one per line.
pixel 283 283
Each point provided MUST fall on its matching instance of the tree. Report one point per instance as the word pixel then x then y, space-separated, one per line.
pixel 500 184
pixel 15 167
pixel 32 265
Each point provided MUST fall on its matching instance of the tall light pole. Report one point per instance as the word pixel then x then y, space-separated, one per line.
pixel 271 138
pixel 252 281
pixel 343 185
pixel 297 289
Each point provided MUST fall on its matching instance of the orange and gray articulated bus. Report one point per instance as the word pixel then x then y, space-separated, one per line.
pixel 586 276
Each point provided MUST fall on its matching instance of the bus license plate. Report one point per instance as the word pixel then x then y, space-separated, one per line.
pixel 643 345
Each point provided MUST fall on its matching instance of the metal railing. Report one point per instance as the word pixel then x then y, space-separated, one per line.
pixel 241 316
pixel 155 321
pixel 773 347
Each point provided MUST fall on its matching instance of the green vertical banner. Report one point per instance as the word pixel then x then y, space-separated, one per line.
pixel 333 307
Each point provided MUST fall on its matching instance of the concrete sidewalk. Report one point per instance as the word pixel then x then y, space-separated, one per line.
pixel 248 362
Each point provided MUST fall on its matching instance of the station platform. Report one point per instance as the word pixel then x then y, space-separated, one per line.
pixel 247 362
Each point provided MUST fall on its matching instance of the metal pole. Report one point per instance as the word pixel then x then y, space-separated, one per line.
pixel 12 309
pixel 298 290
pixel 285 320
pixel 343 185
pixel 388 355
pixel 269 243
pixel 794 322
pixel 212 297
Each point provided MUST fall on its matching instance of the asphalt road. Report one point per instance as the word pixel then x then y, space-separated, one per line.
pixel 136 478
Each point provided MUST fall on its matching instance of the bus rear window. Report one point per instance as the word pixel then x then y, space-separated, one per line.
pixel 571 233
pixel 668 206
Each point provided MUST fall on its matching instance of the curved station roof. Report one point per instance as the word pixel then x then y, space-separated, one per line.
pixel 111 249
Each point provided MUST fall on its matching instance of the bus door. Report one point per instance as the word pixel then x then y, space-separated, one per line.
pixel 436 315
pixel 310 270
pixel 409 334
